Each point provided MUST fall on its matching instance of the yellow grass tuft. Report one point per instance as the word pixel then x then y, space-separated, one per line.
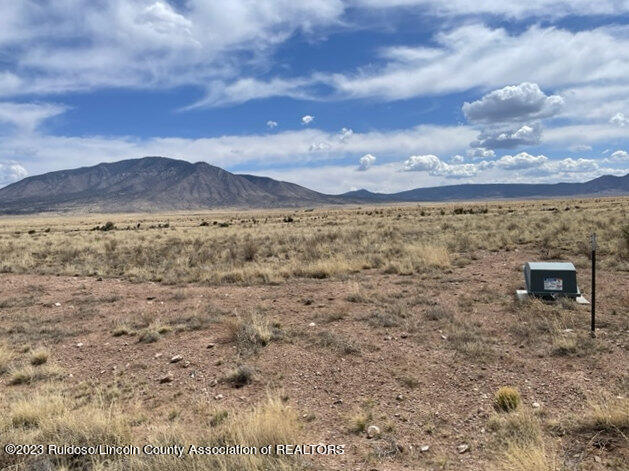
pixel 28 374
pixel 6 357
pixel 507 399
pixel 528 458
pixel 38 357
pixel 610 414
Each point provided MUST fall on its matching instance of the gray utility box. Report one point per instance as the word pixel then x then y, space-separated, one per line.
pixel 547 279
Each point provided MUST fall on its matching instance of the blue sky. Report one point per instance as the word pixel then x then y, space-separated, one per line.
pixel 399 93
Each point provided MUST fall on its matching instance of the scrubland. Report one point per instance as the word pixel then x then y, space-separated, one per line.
pixel 391 330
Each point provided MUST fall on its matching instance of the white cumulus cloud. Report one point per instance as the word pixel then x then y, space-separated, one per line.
pixel 436 167
pixel 501 138
pixel 271 124
pixel 619 120
pixel 319 146
pixel 619 156
pixel 345 133
pixel 307 119
pixel 481 153
pixel 11 172
pixel 365 162
pixel 522 102
pixel 520 161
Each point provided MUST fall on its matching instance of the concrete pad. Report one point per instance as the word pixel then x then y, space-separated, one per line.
pixel 521 294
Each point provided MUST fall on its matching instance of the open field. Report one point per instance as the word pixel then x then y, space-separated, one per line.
pixel 310 326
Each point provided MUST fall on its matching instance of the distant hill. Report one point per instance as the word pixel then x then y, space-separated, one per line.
pixel 151 184
pixel 161 184
pixel 607 185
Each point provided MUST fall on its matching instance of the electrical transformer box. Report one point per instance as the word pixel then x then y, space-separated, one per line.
pixel 551 279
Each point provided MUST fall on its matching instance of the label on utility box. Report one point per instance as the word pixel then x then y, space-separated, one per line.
pixel 553 284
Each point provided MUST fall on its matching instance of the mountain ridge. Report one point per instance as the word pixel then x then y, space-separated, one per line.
pixel 605 185
pixel 160 183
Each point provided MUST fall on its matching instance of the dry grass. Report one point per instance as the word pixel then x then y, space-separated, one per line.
pixel 360 419
pixel 520 429
pixel 337 342
pixel 507 399
pixel 469 340
pixel 240 376
pixel 6 357
pixel 38 357
pixel 28 374
pixel 320 243
pixel 520 444
pixel 253 331
pixel 52 417
pixel 527 458
pixel 609 414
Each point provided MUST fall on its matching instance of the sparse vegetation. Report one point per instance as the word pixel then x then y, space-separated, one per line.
pixel 54 418
pixel 121 329
pixel 38 357
pixel 609 414
pixel 6 357
pixel 320 244
pixel 360 419
pixel 397 317
pixel 29 374
pixel 468 339
pixel 341 344
pixel 252 331
pixel 439 313
pixel 507 399
pixel 240 376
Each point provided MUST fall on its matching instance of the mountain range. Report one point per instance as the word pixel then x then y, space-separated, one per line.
pixel 159 183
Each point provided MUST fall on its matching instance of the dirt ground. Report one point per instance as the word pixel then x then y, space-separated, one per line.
pixel 419 388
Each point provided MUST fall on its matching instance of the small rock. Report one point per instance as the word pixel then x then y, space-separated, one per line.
pixel 218 397
pixel 536 405
pixel 373 431
pixel 597 459
pixel 338 402
pixel 444 337
pixel 176 359
pixel 463 448
pixel 79 345
pixel 158 355
pixel 210 345
pixel 57 304
pixel 167 378
pixel 403 335
pixel 424 448
pixel 100 278
pixel 214 382
pixel 312 324
pixel 399 397
pixel 185 364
